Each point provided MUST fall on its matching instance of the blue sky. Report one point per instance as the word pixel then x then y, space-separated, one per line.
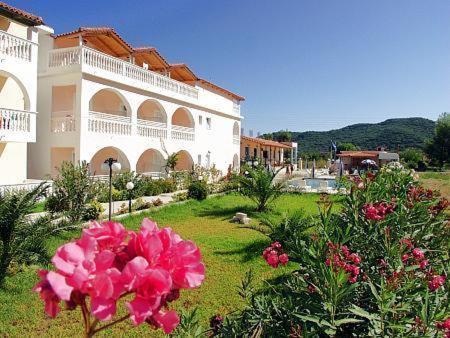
pixel 302 65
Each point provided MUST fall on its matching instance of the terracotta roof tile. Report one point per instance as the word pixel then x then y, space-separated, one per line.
pixel 220 89
pixel 265 142
pixel 96 30
pixel 20 15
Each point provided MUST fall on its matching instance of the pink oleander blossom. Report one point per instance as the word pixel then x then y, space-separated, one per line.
pixel 275 256
pixel 108 262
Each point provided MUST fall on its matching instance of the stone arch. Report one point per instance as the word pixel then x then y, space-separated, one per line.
pixel 150 161
pixel 152 110
pixel 185 161
pixel 95 164
pixel 110 101
pixel 10 97
pixel 183 117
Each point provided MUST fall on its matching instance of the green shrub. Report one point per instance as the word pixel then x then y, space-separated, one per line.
pixel 258 185
pixel 140 204
pixel 180 197
pixel 73 188
pixel 22 239
pixel 377 268
pixel 93 211
pixel 198 190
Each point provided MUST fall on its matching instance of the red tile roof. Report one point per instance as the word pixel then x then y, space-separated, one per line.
pixel 20 15
pixel 85 31
pixel 359 153
pixel 222 90
pixel 265 142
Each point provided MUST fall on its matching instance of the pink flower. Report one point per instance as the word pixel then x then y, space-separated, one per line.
pixel 436 282
pixel 423 264
pixel 418 254
pixel 273 260
pixel 284 259
pixel 153 265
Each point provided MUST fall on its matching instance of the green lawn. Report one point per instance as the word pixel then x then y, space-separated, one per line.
pixel 39 207
pixel 228 251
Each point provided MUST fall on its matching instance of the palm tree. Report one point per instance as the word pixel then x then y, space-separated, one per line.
pixel 21 238
pixel 258 185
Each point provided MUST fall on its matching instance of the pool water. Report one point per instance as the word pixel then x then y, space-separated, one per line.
pixel 315 182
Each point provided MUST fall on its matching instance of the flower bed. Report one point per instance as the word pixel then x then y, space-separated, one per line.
pixel 376 268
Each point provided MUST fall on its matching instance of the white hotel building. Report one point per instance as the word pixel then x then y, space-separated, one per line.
pixel 18 79
pixel 99 97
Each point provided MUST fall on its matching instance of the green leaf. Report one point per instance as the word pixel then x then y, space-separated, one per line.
pixel 343 321
pixel 363 313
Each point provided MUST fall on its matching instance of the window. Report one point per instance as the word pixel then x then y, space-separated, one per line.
pixel 208 123
pixel 200 120
pixel 247 152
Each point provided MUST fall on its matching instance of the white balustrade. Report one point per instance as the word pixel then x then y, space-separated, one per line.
pixel 183 133
pixel 109 124
pixel 14 120
pixel 28 186
pixel 87 56
pixel 14 46
pixel 236 108
pixel 151 129
pixel 64 57
pixel 62 124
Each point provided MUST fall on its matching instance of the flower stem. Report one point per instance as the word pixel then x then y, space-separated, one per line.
pixel 92 331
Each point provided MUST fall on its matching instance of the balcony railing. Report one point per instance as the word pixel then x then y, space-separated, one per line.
pixel 15 120
pixel 109 124
pixel 87 56
pixel 62 124
pixel 151 129
pixel 183 133
pixel 15 47
pixel 236 108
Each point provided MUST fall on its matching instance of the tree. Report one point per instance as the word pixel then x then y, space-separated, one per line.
pixel 22 239
pixel 438 148
pixel 346 146
pixel 258 185
pixel 411 157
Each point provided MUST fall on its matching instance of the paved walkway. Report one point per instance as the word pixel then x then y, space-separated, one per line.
pixel 116 206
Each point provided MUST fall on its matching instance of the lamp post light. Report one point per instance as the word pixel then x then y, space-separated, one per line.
pixel 111 165
pixel 130 187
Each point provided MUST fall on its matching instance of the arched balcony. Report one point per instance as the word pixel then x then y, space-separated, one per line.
pixel 184 161
pixel 109 113
pixel 152 120
pixel 151 163
pixel 95 164
pixel 183 125
pixel 17 123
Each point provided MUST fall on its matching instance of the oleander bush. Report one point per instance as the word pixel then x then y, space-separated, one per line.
pixel 377 268
pixel 73 189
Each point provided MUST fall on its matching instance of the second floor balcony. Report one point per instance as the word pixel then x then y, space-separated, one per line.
pixel 100 64
pixel 15 47
pixel 113 124
pixel 17 125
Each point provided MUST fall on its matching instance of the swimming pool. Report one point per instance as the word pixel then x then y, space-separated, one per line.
pixel 315 182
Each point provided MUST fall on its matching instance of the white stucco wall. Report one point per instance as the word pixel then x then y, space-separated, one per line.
pixel 13 162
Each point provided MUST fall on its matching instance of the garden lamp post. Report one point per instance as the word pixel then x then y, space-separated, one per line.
pixel 111 165
pixel 130 187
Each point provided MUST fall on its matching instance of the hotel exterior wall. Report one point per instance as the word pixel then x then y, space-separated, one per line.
pixel 18 63
pixel 218 140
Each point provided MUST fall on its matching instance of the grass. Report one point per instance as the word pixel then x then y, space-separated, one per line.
pixel 39 207
pixel 228 252
pixel 437 181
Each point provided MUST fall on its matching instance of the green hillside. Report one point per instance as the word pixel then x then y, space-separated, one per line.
pixel 392 134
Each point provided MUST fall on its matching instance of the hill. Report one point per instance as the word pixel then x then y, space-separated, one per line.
pixel 392 134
